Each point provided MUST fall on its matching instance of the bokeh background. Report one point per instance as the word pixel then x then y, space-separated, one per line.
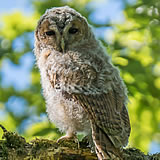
pixel 130 31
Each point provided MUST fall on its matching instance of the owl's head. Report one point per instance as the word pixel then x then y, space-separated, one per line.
pixel 61 28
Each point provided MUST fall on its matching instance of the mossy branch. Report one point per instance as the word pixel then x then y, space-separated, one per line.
pixel 15 147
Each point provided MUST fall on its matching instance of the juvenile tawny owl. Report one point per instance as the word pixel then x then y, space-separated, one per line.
pixel 82 88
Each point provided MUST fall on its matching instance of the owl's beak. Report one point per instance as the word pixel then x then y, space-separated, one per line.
pixel 62 45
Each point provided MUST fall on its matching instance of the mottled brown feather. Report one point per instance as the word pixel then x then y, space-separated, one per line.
pixel 109 119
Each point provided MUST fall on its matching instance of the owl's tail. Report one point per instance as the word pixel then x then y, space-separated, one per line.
pixel 105 149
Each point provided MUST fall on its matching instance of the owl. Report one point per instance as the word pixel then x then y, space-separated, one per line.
pixel 83 90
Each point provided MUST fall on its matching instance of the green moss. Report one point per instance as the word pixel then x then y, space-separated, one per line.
pixel 42 144
pixel 3 150
pixel 12 141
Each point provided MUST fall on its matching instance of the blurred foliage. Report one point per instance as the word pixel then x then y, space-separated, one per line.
pixel 135 49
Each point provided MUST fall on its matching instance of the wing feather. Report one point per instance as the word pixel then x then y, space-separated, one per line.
pixel 109 113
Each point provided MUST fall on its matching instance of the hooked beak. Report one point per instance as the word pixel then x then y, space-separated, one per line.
pixel 62 45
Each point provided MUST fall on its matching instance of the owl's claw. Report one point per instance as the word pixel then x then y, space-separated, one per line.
pixel 69 138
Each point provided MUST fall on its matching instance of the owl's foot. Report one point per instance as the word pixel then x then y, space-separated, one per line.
pixel 67 139
pixel 71 139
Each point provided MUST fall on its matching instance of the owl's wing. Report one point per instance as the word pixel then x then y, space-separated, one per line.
pixel 109 118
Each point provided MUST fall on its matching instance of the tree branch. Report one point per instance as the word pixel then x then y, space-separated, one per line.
pixel 15 147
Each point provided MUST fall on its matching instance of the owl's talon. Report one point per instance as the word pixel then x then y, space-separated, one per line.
pixel 68 138
pixel 63 138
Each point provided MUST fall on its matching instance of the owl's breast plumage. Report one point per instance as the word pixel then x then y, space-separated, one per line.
pixel 60 75
pixel 76 73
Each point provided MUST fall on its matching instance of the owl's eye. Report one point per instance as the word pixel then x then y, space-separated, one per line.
pixel 50 33
pixel 73 30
